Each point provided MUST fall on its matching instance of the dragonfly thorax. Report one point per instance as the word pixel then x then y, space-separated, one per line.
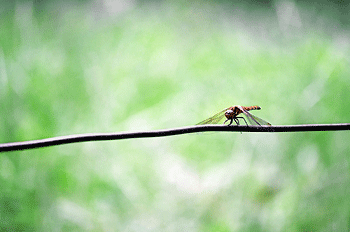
pixel 232 112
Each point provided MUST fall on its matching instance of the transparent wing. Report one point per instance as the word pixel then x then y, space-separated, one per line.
pixel 254 120
pixel 215 119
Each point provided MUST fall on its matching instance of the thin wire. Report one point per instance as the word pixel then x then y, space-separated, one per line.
pixel 166 132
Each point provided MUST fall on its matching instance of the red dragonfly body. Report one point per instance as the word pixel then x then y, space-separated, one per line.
pixel 231 114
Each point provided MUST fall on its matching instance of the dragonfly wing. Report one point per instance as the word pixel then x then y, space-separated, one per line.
pixel 254 120
pixel 259 120
pixel 215 119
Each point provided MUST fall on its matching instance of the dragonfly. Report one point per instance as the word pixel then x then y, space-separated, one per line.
pixel 231 114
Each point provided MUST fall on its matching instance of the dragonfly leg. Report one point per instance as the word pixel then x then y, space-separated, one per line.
pixel 243 119
pixel 229 123
pixel 236 121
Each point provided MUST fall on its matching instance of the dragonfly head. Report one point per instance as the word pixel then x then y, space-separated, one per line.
pixel 230 114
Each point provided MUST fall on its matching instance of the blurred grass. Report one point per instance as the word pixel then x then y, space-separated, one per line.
pixel 68 68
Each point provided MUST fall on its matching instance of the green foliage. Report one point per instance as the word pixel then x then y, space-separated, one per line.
pixel 79 68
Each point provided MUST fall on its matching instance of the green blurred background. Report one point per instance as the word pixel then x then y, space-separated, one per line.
pixel 110 66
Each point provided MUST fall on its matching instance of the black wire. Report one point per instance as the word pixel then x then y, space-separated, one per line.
pixel 166 132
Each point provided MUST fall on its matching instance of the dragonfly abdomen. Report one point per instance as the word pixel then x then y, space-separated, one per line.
pixel 247 108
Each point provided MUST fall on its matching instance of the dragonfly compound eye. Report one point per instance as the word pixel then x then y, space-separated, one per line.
pixel 229 113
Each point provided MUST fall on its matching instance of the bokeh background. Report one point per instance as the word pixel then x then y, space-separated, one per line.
pixel 71 67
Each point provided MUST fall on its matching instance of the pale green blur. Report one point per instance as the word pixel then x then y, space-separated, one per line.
pixel 103 66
